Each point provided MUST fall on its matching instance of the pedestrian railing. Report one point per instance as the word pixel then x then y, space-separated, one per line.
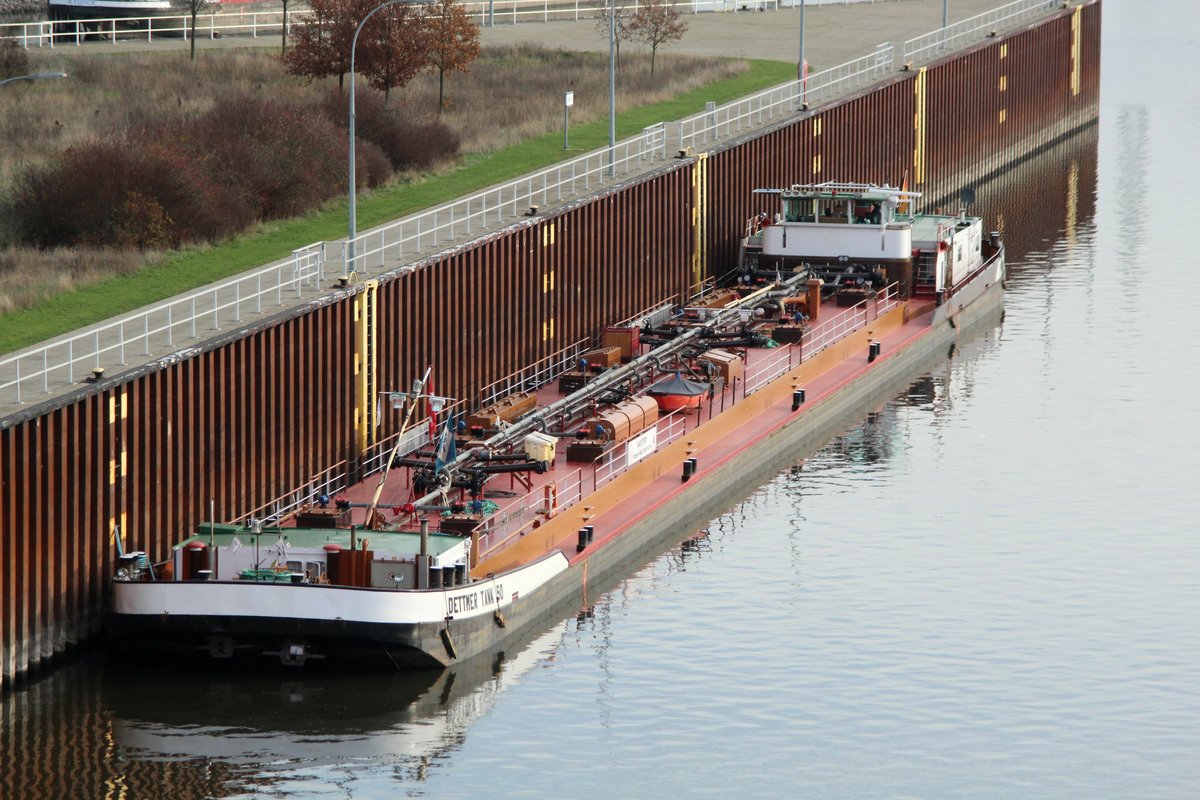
pixel 935 44
pixel 733 119
pixel 383 247
pixel 237 22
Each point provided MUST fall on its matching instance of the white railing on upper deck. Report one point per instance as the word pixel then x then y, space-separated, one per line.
pixel 326 483
pixel 389 244
pixel 616 461
pixel 935 44
pixel 539 373
pixel 777 362
pixel 747 113
pixel 832 331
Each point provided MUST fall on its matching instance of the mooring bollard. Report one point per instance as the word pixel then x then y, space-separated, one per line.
pixel 797 399
pixel 591 532
pixel 583 540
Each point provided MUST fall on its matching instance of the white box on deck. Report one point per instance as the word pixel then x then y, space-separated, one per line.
pixel 540 446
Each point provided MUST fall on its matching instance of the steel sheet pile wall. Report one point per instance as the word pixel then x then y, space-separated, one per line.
pixel 256 414
pixel 236 423
pixel 942 128
pixel 249 417
pixel 486 311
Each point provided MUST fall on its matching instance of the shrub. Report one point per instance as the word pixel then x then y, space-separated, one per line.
pixel 13 59
pixel 408 144
pixel 89 197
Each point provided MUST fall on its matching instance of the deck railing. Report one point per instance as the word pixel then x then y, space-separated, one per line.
pixel 846 322
pixel 778 362
pixel 327 482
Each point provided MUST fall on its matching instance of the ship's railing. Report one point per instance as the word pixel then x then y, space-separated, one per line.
pixel 518 517
pixel 619 460
pixel 732 119
pixel 327 482
pixel 391 244
pixel 832 331
pixel 185 319
pixel 539 373
pixel 779 361
pixel 934 44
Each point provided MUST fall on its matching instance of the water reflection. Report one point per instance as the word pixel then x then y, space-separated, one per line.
pixel 97 729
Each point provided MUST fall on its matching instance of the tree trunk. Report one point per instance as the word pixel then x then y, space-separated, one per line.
pixel 653 52
pixel 441 89
pixel 193 36
pixel 283 32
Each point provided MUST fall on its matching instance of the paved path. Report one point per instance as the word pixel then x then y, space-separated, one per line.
pixel 834 35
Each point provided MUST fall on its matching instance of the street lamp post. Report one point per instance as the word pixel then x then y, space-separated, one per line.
pixel 353 226
pixel 37 76
pixel 800 66
pixel 612 90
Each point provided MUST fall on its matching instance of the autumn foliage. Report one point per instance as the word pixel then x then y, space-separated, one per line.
pixel 157 187
pixel 395 44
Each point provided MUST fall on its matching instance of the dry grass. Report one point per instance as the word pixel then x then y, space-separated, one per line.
pixel 28 276
pixel 509 95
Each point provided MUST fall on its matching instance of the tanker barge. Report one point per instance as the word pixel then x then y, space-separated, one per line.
pixel 489 519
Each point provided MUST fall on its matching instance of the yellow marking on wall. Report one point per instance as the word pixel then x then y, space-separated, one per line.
pixel 1004 50
pixel 124 405
pixel 112 410
pixel 699 219
pixel 124 464
pixel 548 329
pixel 1004 83
pixel 366 363
pixel 1076 49
pixel 816 127
pixel 548 282
pixel 816 164
pixel 1072 216
pixel 919 128
pixel 112 471
pixel 548 235
pixel 1003 115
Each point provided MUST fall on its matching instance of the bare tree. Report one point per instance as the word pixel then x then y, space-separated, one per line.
pixel 655 23
pixel 192 8
pixel 453 41
pixel 283 32
pixel 622 25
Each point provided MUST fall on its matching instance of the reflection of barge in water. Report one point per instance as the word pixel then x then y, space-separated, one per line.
pixel 863 293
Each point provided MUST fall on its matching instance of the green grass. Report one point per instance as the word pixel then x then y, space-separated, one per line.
pixel 184 271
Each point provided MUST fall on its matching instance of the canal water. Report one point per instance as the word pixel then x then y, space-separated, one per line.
pixel 990 587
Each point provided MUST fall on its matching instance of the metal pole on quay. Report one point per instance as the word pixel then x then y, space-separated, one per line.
pixel 353 221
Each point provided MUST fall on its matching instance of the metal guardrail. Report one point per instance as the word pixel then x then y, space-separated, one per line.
pixel 408 237
pixel 846 322
pixel 536 374
pixel 732 119
pixel 930 46
pixel 237 22
pixel 188 318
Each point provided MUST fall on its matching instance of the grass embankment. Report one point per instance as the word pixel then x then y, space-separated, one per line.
pixel 181 272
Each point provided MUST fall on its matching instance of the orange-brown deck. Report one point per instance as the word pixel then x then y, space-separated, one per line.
pixel 613 499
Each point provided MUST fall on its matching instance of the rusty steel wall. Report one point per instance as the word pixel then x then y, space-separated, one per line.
pixel 251 415
pixel 485 311
pixel 939 129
